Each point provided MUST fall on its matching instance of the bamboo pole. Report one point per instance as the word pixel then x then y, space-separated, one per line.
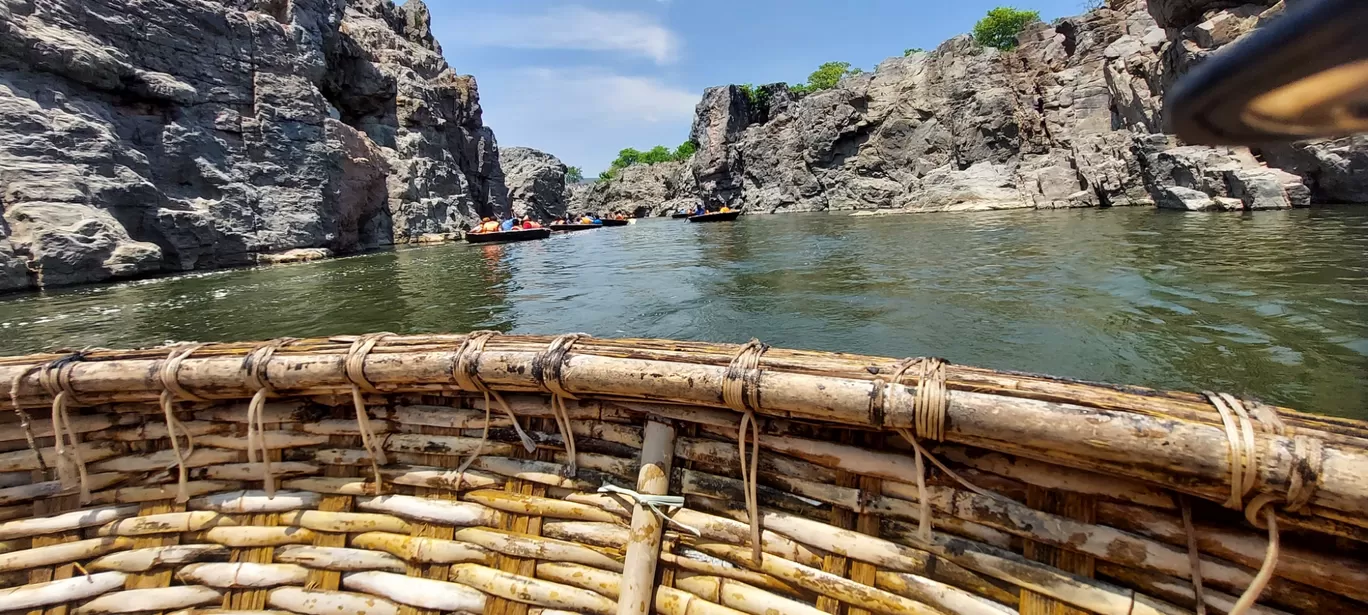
pixel 643 548
pixel 344 522
pixel 742 597
pixel 434 511
pixel 1179 591
pixel 1337 573
pixel 1195 463
pixel 862 547
pixel 542 507
pixel 594 533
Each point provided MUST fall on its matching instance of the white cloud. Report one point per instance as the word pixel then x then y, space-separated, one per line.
pixel 584 115
pixel 574 27
pixel 575 91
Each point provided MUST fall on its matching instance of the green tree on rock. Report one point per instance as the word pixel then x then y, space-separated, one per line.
pixel 657 155
pixel 685 150
pixel 574 175
pixel 825 77
pixel 999 28
pixel 908 52
pixel 626 158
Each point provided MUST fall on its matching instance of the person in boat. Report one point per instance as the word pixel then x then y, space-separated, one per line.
pixel 488 225
pixel 586 220
pixel 724 210
pixel 507 224
pixel 529 223
pixel 619 217
pixel 700 210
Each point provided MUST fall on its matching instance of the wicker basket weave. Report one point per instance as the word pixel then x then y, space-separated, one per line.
pixel 513 474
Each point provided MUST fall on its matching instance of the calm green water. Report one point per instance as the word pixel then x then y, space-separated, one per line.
pixel 1273 304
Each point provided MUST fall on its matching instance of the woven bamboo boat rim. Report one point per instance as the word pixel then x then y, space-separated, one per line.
pixel 730 471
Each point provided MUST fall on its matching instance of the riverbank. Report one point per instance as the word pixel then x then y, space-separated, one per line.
pixel 1271 304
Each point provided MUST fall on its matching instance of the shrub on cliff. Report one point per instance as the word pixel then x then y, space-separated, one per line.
pixel 908 52
pixel 999 28
pixel 574 175
pixel 685 150
pixel 825 77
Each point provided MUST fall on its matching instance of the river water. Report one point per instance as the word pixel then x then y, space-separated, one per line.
pixel 1271 304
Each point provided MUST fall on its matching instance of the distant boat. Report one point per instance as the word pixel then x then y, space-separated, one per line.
pixel 574 227
pixel 682 214
pixel 507 236
pixel 616 222
pixel 715 217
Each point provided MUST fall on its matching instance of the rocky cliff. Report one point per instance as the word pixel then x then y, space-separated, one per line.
pixel 536 183
pixel 143 136
pixel 1071 118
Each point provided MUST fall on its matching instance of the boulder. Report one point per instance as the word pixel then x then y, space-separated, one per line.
pixel 1178 197
pixel 536 183
pixel 1267 188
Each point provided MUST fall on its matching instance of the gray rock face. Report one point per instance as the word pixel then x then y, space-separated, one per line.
pixel 1072 118
pixel 640 191
pixel 536 183
pixel 147 136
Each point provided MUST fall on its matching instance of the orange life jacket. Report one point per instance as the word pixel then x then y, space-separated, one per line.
pixel 489 227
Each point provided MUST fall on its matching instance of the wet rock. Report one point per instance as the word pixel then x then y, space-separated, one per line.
pixel 536 183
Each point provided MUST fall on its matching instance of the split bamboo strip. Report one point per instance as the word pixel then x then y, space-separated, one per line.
pixel 62 553
pixel 142 560
pixel 60 591
pixel 693 561
pixel 667 600
pixel 742 597
pixel 339 558
pixel 343 522
pixel 530 591
pixel 422 593
pixel 321 602
pixel 643 546
pixel 242 575
pixel 150 599
pixel 420 549
pixel 824 583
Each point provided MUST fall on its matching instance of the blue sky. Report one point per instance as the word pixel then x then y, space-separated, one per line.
pixel 582 79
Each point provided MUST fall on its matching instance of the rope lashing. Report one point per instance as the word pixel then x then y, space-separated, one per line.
pixel 254 372
pixel 56 378
pixel 1303 478
pixel 1194 555
pixel 25 420
pixel 741 392
pixel 653 502
pixel 929 405
pixel 546 369
pixel 355 367
pixel 171 389
pixel 465 370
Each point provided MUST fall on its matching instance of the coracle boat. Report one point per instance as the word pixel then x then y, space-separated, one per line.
pixel 488 473
pixel 574 227
pixel 716 217
pixel 613 222
pixel 506 236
